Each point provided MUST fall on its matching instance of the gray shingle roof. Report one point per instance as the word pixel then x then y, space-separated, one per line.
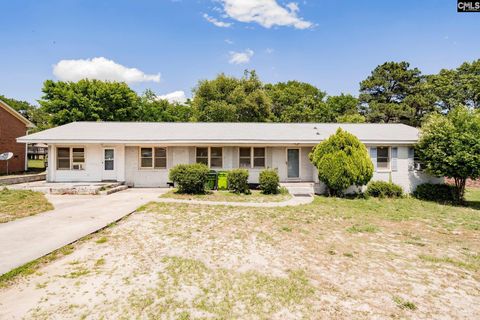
pixel 199 132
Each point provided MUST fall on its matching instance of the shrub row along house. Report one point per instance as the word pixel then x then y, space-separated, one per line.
pixel 141 154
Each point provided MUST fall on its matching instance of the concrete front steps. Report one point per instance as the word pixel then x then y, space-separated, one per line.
pixel 299 189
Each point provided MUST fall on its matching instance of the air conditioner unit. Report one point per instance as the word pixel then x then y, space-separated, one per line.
pixel 418 166
pixel 78 166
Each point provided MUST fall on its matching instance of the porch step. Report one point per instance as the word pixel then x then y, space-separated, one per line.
pixel 299 189
pixel 113 190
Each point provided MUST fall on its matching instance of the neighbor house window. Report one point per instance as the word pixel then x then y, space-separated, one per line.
pixel 383 158
pixel 216 157
pixel 63 158
pixel 155 158
pixel 70 158
pixel 202 156
pixel 245 157
pixel 259 157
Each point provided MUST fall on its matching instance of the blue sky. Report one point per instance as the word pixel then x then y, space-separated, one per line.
pixel 331 44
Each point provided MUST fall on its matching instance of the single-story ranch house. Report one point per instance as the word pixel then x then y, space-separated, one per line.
pixel 141 154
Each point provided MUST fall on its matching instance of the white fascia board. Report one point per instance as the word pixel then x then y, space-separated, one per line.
pixel 26 139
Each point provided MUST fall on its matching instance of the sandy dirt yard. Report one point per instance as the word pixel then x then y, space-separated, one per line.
pixel 332 259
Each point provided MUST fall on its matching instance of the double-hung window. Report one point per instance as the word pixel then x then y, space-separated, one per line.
pixel 245 157
pixel 383 158
pixel 259 157
pixel 153 158
pixel 70 158
pixel 202 155
pixel 216 157
pixel 210 156
pixel 251 157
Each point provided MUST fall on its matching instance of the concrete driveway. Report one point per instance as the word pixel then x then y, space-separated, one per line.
pixel 74 217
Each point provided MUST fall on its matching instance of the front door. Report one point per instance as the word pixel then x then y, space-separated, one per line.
pixel 109 172
pixel 293 163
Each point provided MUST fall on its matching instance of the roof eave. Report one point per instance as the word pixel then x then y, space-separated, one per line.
pixel 26 139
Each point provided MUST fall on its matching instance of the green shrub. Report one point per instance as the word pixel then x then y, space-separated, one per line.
pixel 269 181
pixel 435 192
pixel 237 181
pixel 189 178
pixel 383 189
pixel 342 161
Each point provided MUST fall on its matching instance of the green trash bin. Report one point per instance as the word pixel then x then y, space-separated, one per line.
pixel 222 180
pixel 211 180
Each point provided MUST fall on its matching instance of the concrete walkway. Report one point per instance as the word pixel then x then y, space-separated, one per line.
pixel 294 201
pixel 74 217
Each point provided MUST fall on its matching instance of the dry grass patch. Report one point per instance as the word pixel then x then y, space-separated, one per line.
pixel 332 259
pixel 226 196
pixel 15 204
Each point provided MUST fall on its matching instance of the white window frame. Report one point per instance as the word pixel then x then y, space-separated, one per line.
pixel 209 156
pixel 389 163
pixel 153 158
pixel 249 157
pixel 70 158
pixel 264 158
pixel 252 157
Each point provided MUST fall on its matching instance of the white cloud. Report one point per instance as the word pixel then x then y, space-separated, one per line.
pixel 241 57
pixel 269 50
pixel 176 96
pixel 217 23
pixel 267 13
pixel 228 41
pixel 101 69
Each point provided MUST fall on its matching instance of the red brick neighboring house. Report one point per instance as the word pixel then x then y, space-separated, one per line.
pixel 12 126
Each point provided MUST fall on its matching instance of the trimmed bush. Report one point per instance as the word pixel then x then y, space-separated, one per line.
pixel 382 189
pixel 435 192
pixel 269 181
pixel 189 178
pixel 342 161
pixel 237 181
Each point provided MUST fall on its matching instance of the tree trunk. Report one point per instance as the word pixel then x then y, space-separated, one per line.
pixel 460 190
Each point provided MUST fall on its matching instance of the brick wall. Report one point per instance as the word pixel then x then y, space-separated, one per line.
pixel 470 183
pixel 10 129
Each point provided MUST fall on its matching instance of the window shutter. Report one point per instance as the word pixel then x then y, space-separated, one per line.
pixel 373 156
pixel 411 161
pixel 394 158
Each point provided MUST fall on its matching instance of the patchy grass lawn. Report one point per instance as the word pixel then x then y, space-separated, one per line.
pixel 226 196
pixel 15 204
pixel 332 259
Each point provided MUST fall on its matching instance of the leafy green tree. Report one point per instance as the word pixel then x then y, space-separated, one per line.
pixel 385 94
pixel 295 101
pixel 151 108
pixel 228 99
pixel 89 100
pixel 457 87
pixel 351 118
pixel 33 113
pixel 449 146
pixel 342 105
pixel 342 161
